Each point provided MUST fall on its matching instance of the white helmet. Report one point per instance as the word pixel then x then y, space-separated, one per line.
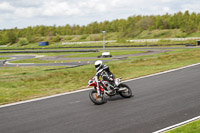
pixel 98 64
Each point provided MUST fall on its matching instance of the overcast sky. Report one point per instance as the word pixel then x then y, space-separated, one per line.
pixel 23 13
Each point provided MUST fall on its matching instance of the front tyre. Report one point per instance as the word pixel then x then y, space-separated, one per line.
pixel 125 92
pixel 95 99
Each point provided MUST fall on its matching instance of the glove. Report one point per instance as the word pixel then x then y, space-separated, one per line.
pixel 111 79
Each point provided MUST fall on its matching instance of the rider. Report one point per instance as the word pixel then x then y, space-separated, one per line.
pixel 104 71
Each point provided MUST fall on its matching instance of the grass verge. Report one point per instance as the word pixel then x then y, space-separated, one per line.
pixel 193 127
pixel 4 58
pixel 161 43
pixel 22 83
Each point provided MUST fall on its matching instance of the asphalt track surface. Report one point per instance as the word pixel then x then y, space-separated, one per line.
pixel 69 63
pixel 160 101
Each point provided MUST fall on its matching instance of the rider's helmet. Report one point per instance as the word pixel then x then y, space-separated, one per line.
pixel 98 64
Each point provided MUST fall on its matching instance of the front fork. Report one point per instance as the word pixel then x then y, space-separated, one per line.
pixel 97 81
pixel 98 90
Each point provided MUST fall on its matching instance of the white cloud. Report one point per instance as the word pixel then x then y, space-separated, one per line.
pixel 58 9
pixel 26 12
pixel 166 0
pixel 5 6
pixel 30 12
pixel 191 7
pixel 166 9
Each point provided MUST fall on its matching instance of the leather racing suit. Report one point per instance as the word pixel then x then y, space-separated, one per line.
pixel 106 75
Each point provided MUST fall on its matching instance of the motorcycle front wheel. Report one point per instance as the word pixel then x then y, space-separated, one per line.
pixel 126 91
pixel 95 99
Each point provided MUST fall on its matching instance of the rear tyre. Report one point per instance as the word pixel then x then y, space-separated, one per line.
pixel 127 92
pixel 95 99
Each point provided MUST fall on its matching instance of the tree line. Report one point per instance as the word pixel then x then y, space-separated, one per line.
pixel 130 27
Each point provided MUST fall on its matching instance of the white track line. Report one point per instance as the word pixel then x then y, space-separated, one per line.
pixel 172 70
pixel 67 93
pixel 42 98
pixel 19 63
pixel 177 125
pixel 13 58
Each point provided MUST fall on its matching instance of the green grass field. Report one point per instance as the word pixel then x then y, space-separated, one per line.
pixel 22 83
pixel 110 44
pixel 4 58
pixel 193 127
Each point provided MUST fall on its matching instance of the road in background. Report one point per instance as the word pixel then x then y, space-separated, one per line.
pixel 61 58
pixel 160 101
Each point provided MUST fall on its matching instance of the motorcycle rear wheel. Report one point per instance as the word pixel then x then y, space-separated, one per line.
pixel 95 99
pixel 127 93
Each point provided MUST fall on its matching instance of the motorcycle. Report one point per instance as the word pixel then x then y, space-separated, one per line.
pixel 98 96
